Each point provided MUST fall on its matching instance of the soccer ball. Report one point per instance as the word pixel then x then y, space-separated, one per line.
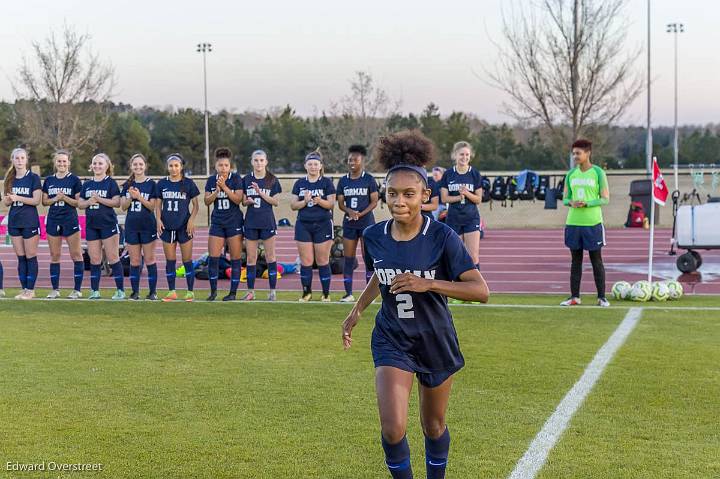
pixel 641 291
pixel 660 291
pixel 675 289
pixel 621 290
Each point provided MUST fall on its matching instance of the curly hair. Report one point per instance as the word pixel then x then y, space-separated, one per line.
pixel 408 147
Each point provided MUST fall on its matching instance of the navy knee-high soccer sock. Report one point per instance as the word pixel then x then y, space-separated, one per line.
pixel 251 273
pixel 235 267
pixel 78 272
pixel 306 275
pixel 213 272
pixel 152 278
pixel 189 274
pixel 95 277
pixel 32 272
pixel 170 273
pixel 117 272
pixel 2 274
pixel 325 277
pixel 272 274
pixel 348 274
pixel 22 271
pixel 436 454
pixel 135 278
pixel 397 458
pixel 55 275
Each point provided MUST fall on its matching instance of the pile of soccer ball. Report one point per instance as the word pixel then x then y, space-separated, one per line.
pixel 645 291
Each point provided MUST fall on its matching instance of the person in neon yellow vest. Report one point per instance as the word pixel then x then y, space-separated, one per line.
pixel 586 192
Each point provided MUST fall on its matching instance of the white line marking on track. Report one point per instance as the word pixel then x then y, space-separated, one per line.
pixel 536 455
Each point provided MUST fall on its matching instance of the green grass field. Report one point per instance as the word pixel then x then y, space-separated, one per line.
pixel 265 390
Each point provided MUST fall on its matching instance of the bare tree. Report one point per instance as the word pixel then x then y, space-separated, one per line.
pixel 63 91
pixel 360 117
pixel 564 65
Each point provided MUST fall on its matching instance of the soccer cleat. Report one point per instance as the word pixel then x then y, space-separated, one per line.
pixel 189 296
pixel 249 296
pixel 170 296
pixel 571 302
pixel 94 295
pixel 28 294
pixel 229 297
pixel 326 298
pixel 348 298
pixel 603 302
pixel 2 293
pixel 212 296
pixel 135 296
pixel 305 298
pixel 21 294
pixel 55 293
pixel 119 295
pixel 272 296
pixel 152 297
pixel 75 295
pixel 457 301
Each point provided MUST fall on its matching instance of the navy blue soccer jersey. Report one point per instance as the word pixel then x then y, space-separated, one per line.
pixel 70 185
pixel 225 211
pixel 97 215
pixel 419 324
pixel 176 196
pixel 356 194
pixel 434 188
pixel 465 211
pixel 140 218
pixel 260 215
pixel 322 187
pixel 22 215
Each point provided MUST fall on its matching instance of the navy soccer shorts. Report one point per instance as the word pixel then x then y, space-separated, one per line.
pixel 175 236
pixel 465 228
pixel 588 238
pixel 314 232
pixel 140 237
pixel 352 233
pixel 225 231
pixel 94 234
pixel 26 233
pixel 255 234
pixel 62 228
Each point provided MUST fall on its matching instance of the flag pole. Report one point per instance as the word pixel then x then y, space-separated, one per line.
pixel 652 229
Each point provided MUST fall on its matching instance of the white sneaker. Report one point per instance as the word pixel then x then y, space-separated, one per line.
pixel 75 295
pixel 29 294
pixel 272 295
pixel 347 299
pixel 21 294
pixel 603 302
pixel 55 293
pixel 571 302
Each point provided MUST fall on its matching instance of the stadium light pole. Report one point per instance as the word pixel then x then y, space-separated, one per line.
pixel 676 28
pixel 205 48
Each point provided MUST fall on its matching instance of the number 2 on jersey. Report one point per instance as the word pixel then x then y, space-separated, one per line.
pixel 405 306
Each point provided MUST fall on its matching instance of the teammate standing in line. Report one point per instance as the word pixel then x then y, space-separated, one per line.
pixel 357 197
pixel 100 196
pixel 314 199
pixel 418 263
pixel 139 198
pixel 430 207
pixel 176 222
pixel 23 194
pixel 461 189
pixel 261 188
pixel 224 191
pixel 61 192
pixel 586 192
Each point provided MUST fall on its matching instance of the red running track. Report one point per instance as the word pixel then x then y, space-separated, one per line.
pixel 512 261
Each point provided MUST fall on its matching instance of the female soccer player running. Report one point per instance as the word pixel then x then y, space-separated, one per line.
pixel 139 198
pixel 461 188
pixel 23 194
pixel 586 192
pixel 314 199
pixel 261 188
pixel 100 196
pixel 176 222
pixel 61 192
pixel 224 192
pixel 418 263
pixel 357 196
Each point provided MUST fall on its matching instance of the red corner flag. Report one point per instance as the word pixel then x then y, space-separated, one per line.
pixel 660 191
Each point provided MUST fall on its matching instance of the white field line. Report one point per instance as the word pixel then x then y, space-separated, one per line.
pixel 536 455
